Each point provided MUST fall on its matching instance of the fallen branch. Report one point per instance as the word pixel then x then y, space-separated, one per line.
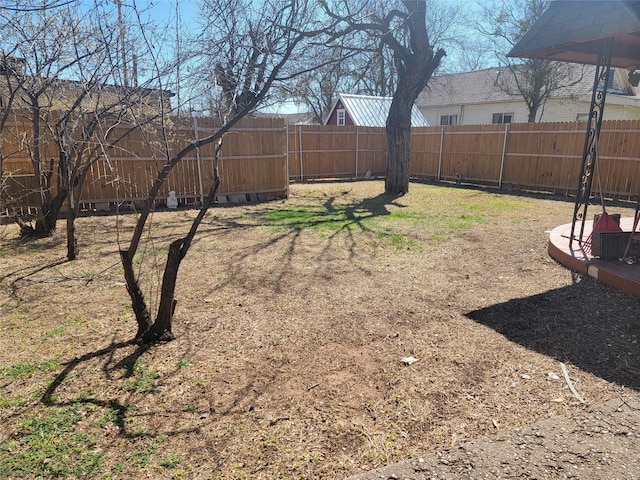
pixel 571 387
pixel 624 402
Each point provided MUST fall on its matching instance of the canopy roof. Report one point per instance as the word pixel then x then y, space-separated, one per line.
pixel 573 31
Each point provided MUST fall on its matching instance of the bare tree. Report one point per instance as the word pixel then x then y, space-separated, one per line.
pixel 69 92
pixel 252 48
pixel 361 63
pixel 503 23
pixel 318 85
pixel 54 44
pixel 401 27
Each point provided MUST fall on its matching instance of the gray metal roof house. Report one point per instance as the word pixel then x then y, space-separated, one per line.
pixel 480 97
pixel 366 111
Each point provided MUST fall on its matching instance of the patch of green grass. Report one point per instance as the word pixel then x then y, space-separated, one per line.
pixel 398 240
pixel 406 214
pixel 112 414
pixel 171 461
pixel 394 220
pixel 142 458
pixel 463 221
pixel 72 322
pixel 49 444
pixel 316 217
pixel 27 369
pixel 184 363
pixel 143 379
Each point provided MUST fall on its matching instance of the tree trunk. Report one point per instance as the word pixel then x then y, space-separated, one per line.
pixel 47 216
pixel 398 130
pixel 415 63
pixel 534 106
pixel 138 303
pixel 72 244
pixel 398 163
pixel 161 328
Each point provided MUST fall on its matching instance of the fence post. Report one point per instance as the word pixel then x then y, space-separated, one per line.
pixel 198 159
pixel 504 151
pixel 440 154
pixel 300 149
pixel 357 144
pixel 286 153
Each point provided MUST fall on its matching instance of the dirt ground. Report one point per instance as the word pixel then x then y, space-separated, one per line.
pixel 293 321
pixel 600 442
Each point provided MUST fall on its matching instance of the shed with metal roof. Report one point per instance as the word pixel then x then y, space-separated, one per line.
pixel 366 111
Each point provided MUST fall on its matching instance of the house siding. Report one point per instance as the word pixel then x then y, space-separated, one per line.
pixel 477 114
pixel 554 111
pixel 632 113
pixel 474 97
pixel 333 118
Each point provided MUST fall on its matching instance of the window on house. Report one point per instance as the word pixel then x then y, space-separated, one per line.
pixel 448 119
pixel 582 117
pixel 341 117
pixel 502 118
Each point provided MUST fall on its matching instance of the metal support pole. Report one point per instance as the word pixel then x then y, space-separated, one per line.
pixel 589 154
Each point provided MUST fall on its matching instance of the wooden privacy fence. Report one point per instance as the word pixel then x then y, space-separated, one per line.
pixel 528 156
pixel 260 156
pixel 252 164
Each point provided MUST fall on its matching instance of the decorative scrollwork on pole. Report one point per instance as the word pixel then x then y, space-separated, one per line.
pixel 590 150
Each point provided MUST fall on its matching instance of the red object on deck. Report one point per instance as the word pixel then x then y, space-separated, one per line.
pixel 606 223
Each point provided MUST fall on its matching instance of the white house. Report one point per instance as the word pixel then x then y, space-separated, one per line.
pixel 478 98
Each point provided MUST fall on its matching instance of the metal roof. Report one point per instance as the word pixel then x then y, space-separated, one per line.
pixel 574 30
pixel 368 111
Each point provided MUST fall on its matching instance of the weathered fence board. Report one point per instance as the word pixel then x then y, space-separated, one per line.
pixel 260 156
pixel 531 156
pixel 253 160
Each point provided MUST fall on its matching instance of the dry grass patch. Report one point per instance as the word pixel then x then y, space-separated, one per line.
pixel 292 321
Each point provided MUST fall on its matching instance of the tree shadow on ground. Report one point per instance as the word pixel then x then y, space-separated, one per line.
pixel 335 215
pixel 586 324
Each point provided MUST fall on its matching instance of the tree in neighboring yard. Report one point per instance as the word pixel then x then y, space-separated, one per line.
pixel 503 23
pixel 317 87
pixel 400 27
pixel 367 69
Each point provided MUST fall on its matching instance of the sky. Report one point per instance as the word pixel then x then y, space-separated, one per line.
pixel 185 15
